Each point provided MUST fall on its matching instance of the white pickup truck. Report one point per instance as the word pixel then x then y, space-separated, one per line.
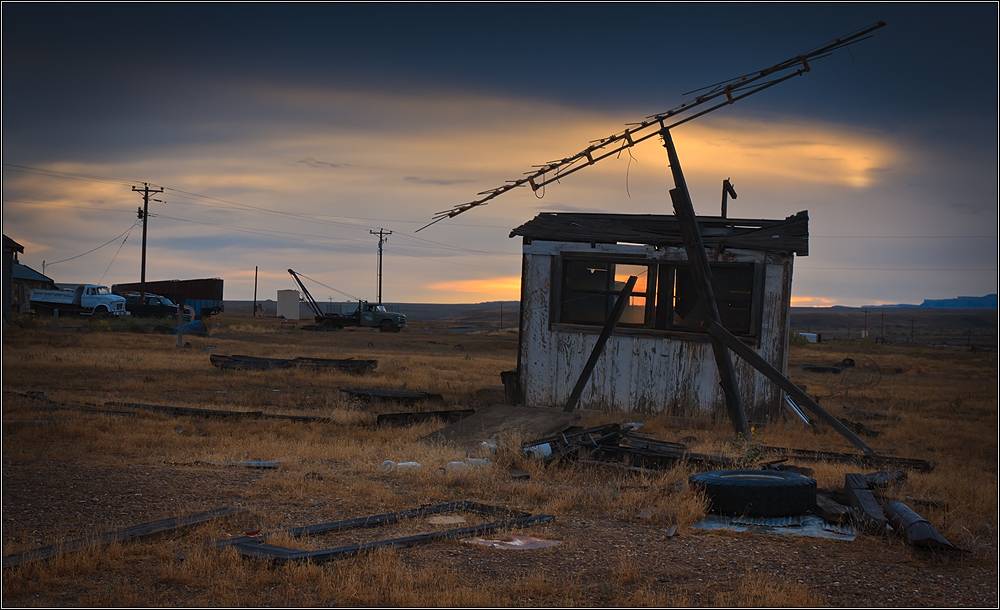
pixel 88 299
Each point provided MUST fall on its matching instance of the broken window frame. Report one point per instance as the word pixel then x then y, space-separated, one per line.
pixel 660 295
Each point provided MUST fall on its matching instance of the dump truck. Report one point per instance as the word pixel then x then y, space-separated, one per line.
pixel 367 314
pixel 86 299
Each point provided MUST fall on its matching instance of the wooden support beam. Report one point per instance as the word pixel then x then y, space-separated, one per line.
pixel 698 258
pixel 804 400
pixel 609 327
pixel 135 532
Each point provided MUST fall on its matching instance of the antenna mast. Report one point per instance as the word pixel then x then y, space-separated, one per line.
pixel 722 94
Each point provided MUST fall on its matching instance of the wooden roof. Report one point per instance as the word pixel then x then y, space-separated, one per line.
pixel 788 235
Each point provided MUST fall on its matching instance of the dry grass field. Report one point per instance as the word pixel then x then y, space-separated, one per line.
pixel 70 473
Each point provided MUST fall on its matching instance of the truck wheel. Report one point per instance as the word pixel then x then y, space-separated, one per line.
pixel 101 311
pixel 386 326
pixel 757 493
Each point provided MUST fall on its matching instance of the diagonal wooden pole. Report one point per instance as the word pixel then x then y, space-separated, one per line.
pixel 609 327
pixel 747 353
pixel 698 259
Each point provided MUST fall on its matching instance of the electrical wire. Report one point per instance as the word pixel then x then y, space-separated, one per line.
pixel 101 281
pixel 115 238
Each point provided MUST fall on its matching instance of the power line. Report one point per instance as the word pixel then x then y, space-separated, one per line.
pixel 898 269
pixel 51 173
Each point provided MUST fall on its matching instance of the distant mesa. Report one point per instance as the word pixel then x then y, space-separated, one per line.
pixel 984 302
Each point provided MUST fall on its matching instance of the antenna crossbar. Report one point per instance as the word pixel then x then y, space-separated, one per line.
pixel 724 93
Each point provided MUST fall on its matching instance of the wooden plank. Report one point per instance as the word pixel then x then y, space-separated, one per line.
pixel 850 458
pixel 831 510
pixel 801 398
pixel 405 419
pixel 372 393
pixel 136 532
pixel 220 413
pixel 870 514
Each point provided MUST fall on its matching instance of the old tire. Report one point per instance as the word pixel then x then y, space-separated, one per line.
pixel 386 326
pixel 757 493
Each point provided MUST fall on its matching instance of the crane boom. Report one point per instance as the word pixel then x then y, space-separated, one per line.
pixel 722 93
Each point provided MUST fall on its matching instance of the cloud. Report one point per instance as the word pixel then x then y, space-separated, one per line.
pixel 437 181
pixel 313 162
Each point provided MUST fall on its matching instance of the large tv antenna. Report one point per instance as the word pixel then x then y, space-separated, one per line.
pixel 722 94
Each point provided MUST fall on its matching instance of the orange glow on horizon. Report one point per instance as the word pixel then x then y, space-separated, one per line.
pixel 496 288
pixel 813 302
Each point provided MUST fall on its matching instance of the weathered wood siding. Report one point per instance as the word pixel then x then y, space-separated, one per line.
pixel 643 371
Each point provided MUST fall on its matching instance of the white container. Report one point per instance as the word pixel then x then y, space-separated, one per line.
pixel 389 466
pixel 478 462
pixel 453 466
pixel 539 451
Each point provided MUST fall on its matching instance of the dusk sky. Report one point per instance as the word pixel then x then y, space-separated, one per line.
pixel 282 135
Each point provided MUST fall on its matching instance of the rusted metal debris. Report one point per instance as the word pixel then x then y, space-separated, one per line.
pixel 135 532
pixel 253 546
pixel 391 395
pixel 410 418
pixel 254 363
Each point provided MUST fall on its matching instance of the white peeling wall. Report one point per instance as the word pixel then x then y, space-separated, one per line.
pixel 643 373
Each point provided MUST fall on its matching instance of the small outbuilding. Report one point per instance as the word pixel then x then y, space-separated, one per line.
pixel 659 359
pixel 10 251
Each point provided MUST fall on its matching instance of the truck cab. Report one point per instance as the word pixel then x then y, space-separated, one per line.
pixel 376 315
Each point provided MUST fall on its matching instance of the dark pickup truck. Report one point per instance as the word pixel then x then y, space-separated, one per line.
pixel 154 306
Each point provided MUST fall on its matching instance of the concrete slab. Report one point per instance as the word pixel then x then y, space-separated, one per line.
pixel 488 423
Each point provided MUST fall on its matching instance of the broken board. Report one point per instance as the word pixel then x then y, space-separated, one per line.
pixel 487 424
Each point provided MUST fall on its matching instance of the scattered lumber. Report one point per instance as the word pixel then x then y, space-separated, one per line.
pixel 254 363
pixel 136 532
pixel 391 395
pixel 831 510
pixel 613 443
pixel 252 546
pixel 407 419
pixel 876 461
pixel 869 513
pixel 216 413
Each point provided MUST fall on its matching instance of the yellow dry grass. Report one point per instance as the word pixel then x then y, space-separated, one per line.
pixel 941 405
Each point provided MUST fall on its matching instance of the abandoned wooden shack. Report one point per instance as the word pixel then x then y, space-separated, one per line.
pixel 659 359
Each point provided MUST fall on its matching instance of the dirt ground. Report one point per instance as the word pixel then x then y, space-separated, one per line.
pixel 65 477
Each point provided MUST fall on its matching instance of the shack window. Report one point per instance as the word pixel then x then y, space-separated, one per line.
pixel 590 290
pixel 664 298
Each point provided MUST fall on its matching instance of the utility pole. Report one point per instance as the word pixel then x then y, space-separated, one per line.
pixel 382 235
pixel 144 217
